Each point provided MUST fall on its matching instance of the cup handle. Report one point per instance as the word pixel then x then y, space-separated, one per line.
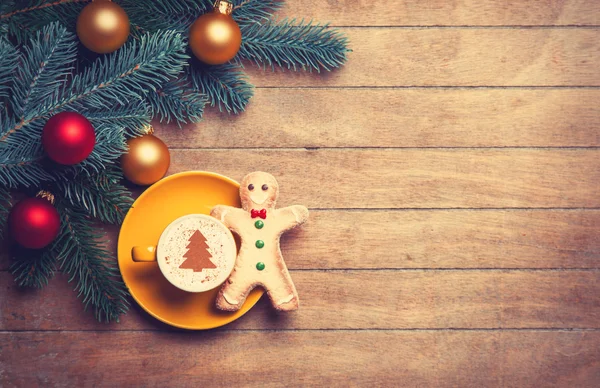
pixel 143 254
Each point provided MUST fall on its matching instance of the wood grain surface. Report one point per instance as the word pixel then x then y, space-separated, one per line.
pixel 305 358
pixel 398 117
pixel 388 57
pixel 447 13
pixel 452 171
pixel 438 239
pixel 393 299
pixel 414 178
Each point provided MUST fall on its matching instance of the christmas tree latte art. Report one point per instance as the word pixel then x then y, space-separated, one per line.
pixel 198 256
pixel 196 253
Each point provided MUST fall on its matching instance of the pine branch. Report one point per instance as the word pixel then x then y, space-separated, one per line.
pixel 23 18
pixel 33 267
pixel 5 6
pixel 112 130
pixel 111 143
pixel 45 64
pixel 165 7
pixel 180 14
pixel 4 209
pixel 23 161
pixel 255 11
pixel 132 119
pixel 36 6
pixel 42 62
pixel 128 74
pixel 175 15
pixel 293 45
pixel 91 265
pixel 119 80
pixel 225 85
pixel 9 58
pixel 177 101
pixel 101 196
pixel 24 172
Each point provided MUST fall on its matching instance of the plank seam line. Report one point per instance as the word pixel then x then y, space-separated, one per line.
pixel 371 148
pixel 426 269
pixel 452 209
pixel 473 26
pixel 442 87
pixel 176 331
pixel 450 269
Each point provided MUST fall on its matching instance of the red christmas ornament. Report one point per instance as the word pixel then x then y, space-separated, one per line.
pixel 34 223
pixel 68 138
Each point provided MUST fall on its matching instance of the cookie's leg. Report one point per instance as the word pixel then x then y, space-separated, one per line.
pixel 233 293
pixel 282 292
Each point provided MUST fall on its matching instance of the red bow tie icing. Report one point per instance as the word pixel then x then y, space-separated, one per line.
pixel 259 213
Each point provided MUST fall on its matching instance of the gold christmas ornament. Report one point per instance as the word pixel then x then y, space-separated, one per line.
pixel 147 161
pixel 103 26
pixel 215 37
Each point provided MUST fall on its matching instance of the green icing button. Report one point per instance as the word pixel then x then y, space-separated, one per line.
pixel 260 266
pixel 260 243
pixel 259 224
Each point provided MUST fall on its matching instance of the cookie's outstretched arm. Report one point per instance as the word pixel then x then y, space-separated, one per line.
pixel 292 216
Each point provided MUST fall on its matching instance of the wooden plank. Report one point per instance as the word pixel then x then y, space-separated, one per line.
pixel 414 178
pixel 438 239
pixel 362 300
pixel 446 13
pixel 273 359
pixel 445 239
pixel 457 57
pixel 400 118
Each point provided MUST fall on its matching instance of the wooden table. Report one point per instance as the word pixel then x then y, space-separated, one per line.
pixel 452 170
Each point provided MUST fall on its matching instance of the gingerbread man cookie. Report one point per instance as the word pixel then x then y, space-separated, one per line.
pixel 259 261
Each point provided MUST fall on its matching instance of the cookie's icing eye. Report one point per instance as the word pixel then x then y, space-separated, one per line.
pixel 250 187
pixel 265 187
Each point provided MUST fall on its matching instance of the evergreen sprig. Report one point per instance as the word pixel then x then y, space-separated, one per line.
pixel 293 45
pixel 266 43
pixel 101 196
pixel 9 58
pixel 226 86
pixel 177 101
pixel 44 67
pixel 255 11
pixel 4 209
pixel 128 74
pixel 33 268
pixel 133 119
pixel 121 80
pixel 20 19
pixel 90 264
pixel 175 15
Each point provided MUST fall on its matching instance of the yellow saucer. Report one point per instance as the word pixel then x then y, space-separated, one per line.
pixel 177 195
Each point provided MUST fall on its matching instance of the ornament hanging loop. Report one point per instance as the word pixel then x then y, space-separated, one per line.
pixel 46 195
pixel 223 6
pixel 148 129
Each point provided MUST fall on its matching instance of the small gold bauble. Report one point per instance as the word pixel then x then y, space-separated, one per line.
pixel 147 161
pixel 103 26
pixel 215 38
